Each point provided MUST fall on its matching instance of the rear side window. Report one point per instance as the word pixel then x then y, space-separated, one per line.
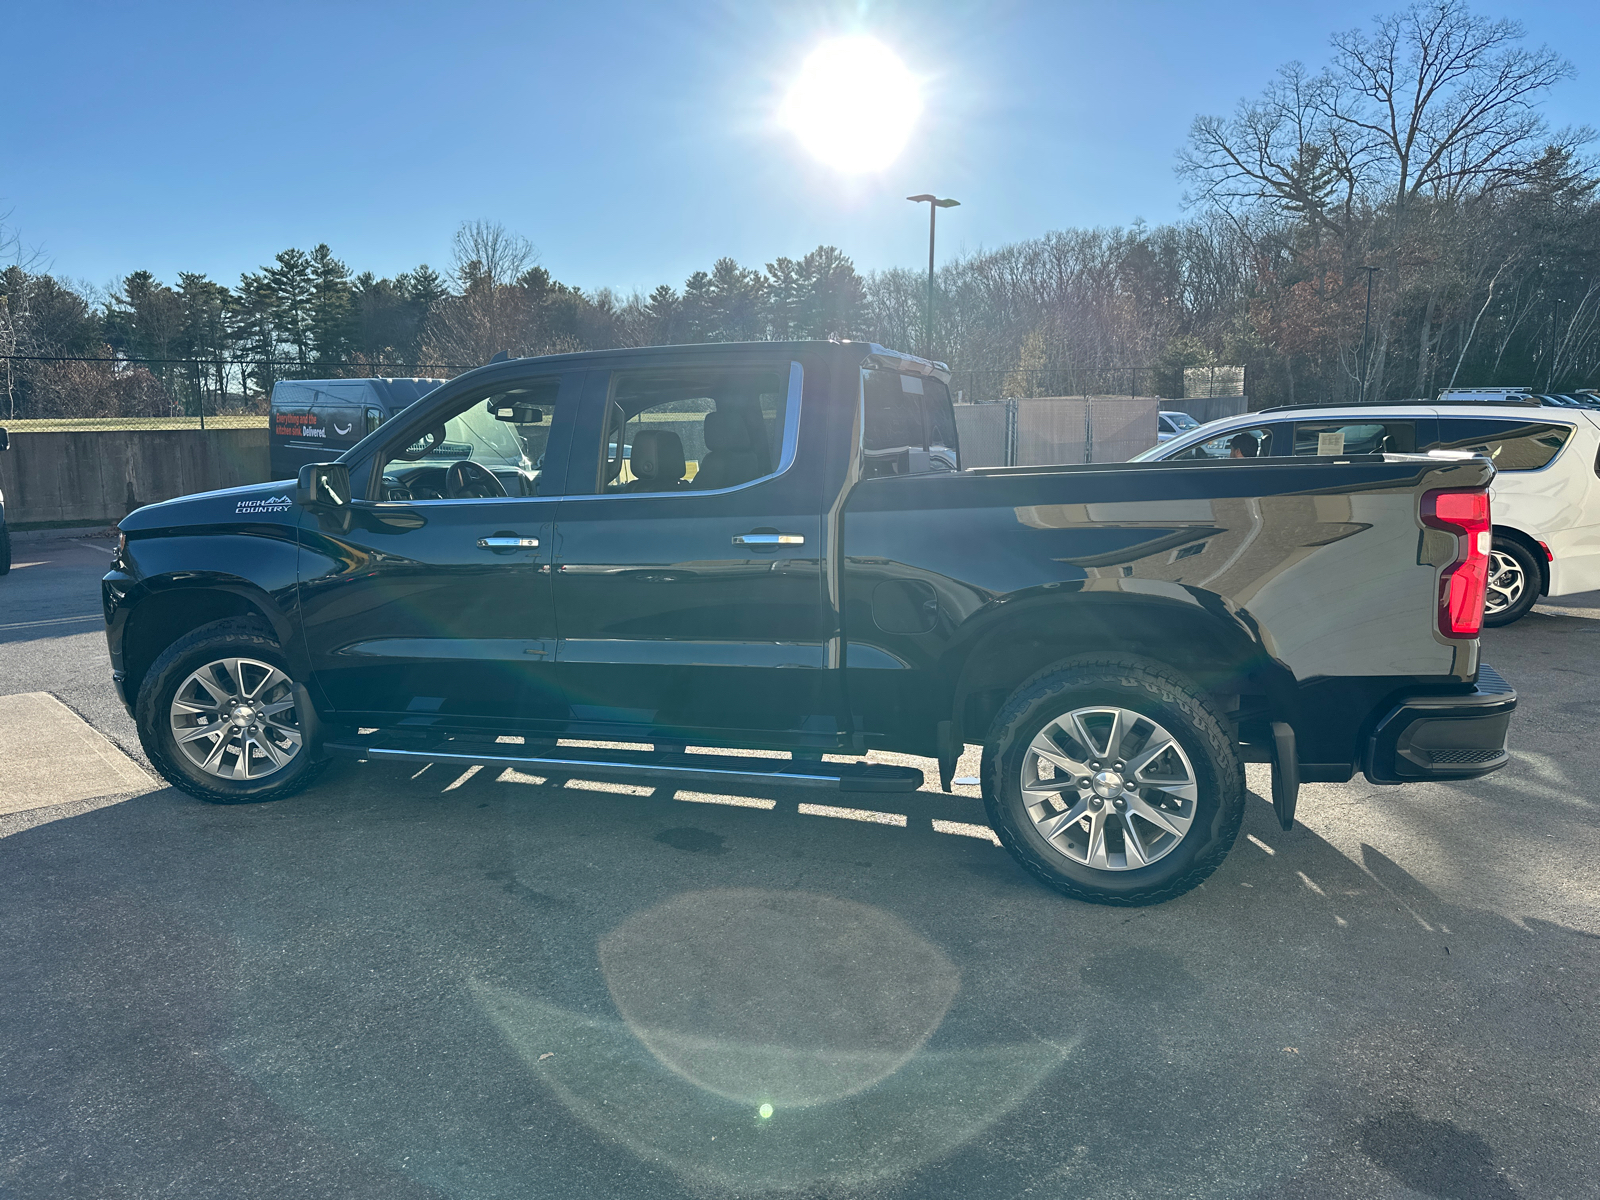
pixel 1511 445
pixel 910 426
pixel 1361 437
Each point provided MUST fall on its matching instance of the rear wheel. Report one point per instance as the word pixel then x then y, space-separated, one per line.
pixel 1513 582
pixel 219 717
pixel 1114 781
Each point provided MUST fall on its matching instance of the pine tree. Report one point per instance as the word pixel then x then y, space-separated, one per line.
pixel 332 315
pixel 832 295
pixel 291 286
pixel 204 339
pixel 665 311
pixel 254 334
pixel 783 297
pixel 697 307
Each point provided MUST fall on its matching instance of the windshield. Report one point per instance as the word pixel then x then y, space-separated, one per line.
pixel 1182 420
pixel 477 435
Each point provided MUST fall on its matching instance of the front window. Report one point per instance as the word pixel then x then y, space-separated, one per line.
pixel 491 446
pixel 1237 443
pixel 1180 422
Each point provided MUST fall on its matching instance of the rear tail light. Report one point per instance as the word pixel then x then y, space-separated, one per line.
pixel 1462 584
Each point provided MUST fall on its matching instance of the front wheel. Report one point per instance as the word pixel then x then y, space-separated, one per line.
pixel 219 718
pixel 1513 582
pixel 1113 780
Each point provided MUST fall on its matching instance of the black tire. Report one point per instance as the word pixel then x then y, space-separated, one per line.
pixel 233 638
pixel 1157 696
pixel 5 548
pixel 1523 570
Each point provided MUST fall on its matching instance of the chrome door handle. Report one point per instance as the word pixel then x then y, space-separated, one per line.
pixel 769 539
pixel 508 543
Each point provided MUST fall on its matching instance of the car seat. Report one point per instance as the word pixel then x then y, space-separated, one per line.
pixel 730 454
pixel 656 461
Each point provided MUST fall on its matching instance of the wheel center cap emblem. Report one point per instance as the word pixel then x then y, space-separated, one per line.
pixel 1107 784
pixel 242 714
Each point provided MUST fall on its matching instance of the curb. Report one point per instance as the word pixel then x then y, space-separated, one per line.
pixel 71 531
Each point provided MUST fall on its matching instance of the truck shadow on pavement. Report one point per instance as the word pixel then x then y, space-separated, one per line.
pixel 470 983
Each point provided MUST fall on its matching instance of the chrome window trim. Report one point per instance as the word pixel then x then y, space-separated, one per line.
pixel 786 457
pixel 1191 437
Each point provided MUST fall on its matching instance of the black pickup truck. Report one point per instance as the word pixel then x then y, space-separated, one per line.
pixel 774 547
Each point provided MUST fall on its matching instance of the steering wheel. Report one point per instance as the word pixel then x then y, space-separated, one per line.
pixel 469 480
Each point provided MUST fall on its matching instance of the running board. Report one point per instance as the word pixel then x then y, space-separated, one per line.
pixel 633 765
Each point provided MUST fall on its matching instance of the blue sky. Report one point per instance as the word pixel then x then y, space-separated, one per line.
pixel 631 142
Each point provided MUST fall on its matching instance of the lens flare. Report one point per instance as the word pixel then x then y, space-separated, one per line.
pixel 853 105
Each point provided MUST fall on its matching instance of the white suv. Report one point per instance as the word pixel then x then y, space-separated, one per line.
pixel 1545 498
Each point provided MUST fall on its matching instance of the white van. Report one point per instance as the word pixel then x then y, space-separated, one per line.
pixel 1545 499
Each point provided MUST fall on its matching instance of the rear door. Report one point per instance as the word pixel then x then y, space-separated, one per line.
pixel 689 584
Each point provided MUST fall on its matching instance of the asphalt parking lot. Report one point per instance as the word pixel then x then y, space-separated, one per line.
pixel 410 983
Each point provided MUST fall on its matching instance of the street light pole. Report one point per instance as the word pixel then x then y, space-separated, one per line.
pixel 1366 326
pixel 934 204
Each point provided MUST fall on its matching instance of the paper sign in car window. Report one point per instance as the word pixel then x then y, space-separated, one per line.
pixel 1330 444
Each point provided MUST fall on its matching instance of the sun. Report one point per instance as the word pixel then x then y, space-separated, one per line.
pixel 853 105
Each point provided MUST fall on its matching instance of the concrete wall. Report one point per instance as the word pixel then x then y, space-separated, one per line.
pixel 91 476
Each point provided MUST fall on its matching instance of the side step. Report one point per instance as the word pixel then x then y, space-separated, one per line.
pixel 634 765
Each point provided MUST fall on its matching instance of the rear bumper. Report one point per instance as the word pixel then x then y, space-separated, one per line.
pixel 1427 737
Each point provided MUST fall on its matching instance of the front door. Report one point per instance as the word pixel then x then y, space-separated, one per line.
pixel 430 602
pixel 689 586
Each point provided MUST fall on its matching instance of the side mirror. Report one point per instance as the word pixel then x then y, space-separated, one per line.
pixel 5 440
pixel 518 412
pixel 324 485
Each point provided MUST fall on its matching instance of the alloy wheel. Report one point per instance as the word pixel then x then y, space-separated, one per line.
pixel 235 718
pixel 1506 582
pixel 1109 788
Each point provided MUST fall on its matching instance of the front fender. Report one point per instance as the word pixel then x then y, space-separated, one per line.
pixel 154 593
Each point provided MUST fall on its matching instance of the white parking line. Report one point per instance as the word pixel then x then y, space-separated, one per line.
pixel 52 621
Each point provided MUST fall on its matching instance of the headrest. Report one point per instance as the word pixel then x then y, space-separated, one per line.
pixel 725 431
pixel 657 455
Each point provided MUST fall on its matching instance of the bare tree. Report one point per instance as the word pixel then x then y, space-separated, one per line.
pixel 489 312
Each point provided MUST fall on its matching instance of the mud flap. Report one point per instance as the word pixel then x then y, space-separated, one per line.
pixel 311 733
pixel 1285 773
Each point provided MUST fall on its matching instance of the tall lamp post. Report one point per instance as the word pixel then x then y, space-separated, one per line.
pixel 934 205
pixel 1366 326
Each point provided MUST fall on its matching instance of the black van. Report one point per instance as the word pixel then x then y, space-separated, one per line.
pixel 316 420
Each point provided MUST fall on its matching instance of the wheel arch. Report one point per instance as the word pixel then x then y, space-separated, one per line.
pixel 169 609
pixel 1531 544
pixel 1219 651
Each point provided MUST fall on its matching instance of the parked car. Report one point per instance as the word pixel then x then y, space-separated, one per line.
pixel 827 580
pixel 313 420
pixel 5 532
pixel 1170 424
pixel 1546 537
